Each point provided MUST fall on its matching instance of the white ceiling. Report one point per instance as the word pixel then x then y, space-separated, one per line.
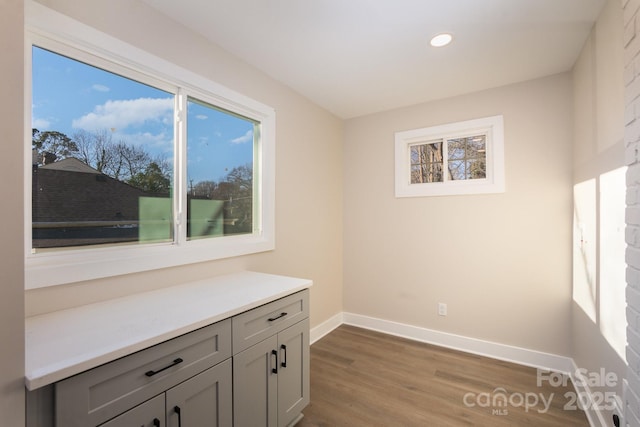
pixel 355 57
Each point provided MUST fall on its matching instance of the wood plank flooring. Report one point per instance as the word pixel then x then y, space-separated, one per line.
pixel 364 378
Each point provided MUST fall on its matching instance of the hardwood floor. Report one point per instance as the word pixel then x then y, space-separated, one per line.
pixel 365 378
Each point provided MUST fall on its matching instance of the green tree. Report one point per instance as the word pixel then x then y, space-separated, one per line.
pixel 53 143
pixel 151 180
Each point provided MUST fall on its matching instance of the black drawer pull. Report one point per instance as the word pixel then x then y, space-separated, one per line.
pixel 175 362
pixel 275 354
pixel 178 411
pixel 283 359
pixel 156 422
pixel 271 319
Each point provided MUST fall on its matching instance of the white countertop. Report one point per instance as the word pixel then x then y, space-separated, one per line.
pixel 67 342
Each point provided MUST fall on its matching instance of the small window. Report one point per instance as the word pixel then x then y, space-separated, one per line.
pixel 458 158
pixel 461 158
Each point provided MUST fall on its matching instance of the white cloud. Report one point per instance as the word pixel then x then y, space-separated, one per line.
pixel 201 117
pixel 40 124
pixel 100 88
pixel 247 137
pixel 123 113
pixel 154 143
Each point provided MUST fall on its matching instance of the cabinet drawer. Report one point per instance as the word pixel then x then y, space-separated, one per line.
pixel 255 325
pixel 97 395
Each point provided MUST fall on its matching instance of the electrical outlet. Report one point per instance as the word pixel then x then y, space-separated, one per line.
pixel 442 309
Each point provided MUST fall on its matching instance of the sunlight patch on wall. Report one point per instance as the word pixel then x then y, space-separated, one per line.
pixel 612 259
pixel 584 247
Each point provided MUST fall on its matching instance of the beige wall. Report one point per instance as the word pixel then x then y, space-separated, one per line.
pixel 308 167
pixel 11 255
pixel 501 262
pixel 599 148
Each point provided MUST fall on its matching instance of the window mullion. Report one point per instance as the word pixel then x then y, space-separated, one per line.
pixel 256 180
pixel 180 165
pixel 445 159
pixel 488 155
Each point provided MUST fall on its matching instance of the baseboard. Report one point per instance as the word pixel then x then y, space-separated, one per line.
pixel 522 356
pixel 325 327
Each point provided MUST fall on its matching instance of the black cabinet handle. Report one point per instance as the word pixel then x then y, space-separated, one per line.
pixel 275 370
pixel 283 362
pixel 174 363
pixel 176 409
pixel 156 422
pixel 277 317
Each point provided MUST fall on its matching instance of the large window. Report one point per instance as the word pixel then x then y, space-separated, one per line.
pixel 135 163
pixel 458 158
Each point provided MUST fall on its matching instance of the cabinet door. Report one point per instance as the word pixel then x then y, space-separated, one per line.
pixel 255 385
pixel 147 414
pixel 293 373
pixel 202 401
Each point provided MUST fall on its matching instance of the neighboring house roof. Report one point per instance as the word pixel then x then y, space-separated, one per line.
pixel 71 164
pixel 69 190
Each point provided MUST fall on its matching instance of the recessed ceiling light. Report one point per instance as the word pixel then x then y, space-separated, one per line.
pixel 441 40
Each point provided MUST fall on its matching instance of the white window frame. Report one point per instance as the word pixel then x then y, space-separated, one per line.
pixel 492 127
pixel 49 29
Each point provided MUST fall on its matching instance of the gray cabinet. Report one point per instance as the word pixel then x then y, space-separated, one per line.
pixel 271 363
pixel 251 369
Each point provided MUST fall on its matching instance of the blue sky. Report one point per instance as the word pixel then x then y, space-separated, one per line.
pixel 69 96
